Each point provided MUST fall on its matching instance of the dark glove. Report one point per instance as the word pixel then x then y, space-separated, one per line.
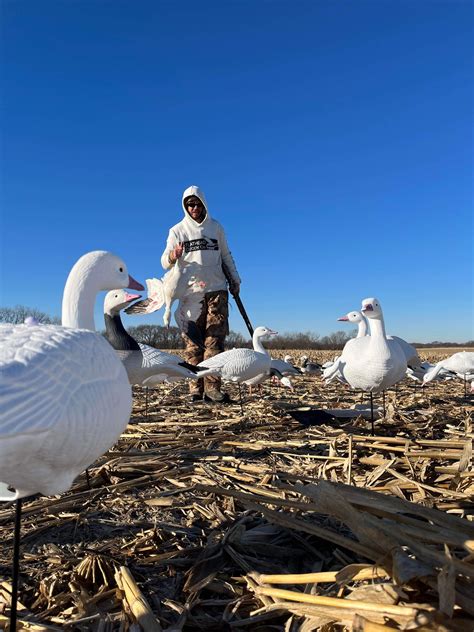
pixel 234 288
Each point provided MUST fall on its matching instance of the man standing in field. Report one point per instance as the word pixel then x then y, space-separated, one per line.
pixel 201 242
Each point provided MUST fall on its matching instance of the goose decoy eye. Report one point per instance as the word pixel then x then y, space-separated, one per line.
pixel 120 269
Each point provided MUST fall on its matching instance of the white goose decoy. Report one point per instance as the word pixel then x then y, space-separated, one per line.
pixel 461 363
pixel 64 402
pixel 332 370
pixel 240 365
pixel 310 368
pixel 63 397
pixel 64 394
pixel 289 360
pixel 411 354
pixel 358 319
pixel 372 363
pixel 280 370
pixel 257 381
pixel 145 365
pixel 383 363
pixel 412 358
pixel 283 367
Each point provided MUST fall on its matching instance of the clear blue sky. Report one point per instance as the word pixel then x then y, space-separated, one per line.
pixel 333 141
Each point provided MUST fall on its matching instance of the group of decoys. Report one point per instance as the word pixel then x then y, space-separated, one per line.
pixel 65 392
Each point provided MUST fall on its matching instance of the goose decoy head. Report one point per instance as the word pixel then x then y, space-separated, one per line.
pixel 110 271
pixel 355 317
pixel 371 308
pixel 116 300
pixel 264 332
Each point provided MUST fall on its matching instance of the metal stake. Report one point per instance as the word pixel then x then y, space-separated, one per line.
pixel 16 566
pixel 372 412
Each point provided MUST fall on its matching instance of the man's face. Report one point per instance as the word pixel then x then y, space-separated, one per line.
pixel 195 209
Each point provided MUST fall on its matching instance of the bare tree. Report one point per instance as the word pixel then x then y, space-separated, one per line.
pixel 295 340
pixel 16 315
pixel 234 339
pixel 157 336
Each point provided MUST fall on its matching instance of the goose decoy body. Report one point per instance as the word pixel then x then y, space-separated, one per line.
pixel 145 365
pixel 64 394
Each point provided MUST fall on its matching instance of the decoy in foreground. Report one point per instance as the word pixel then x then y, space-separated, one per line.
pixel 64 394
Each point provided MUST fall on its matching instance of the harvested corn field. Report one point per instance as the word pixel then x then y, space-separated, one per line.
pixel 203 519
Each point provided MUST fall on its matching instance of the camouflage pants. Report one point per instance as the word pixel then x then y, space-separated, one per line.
pixel 213 324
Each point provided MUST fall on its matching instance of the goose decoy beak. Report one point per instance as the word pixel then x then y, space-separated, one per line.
pixel 343 318
pixel 368 308
pixel 134 285
pixel 131 297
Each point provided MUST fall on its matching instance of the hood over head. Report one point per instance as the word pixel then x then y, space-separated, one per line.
pixel 194 191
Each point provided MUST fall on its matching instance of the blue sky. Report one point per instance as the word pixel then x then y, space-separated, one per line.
pixel 333 141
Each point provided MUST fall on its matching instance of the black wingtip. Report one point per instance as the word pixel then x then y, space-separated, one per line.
pixel 139 307
pixel 191 367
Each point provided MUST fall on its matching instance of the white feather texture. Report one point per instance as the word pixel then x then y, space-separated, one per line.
pixel 64 394
pixel 65 399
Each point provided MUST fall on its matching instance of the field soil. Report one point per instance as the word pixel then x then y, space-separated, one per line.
pixel 204 518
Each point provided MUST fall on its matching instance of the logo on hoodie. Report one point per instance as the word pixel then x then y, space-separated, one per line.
pixel 205 243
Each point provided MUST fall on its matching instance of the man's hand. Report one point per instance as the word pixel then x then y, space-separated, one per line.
pixel 176 253
pixel 234 288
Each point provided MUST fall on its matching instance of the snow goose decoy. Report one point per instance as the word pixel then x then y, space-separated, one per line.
pixel 358 319
pixel 372 363
pixel 461 363
pixel 333 370
pixel 259 379
pixel 279 370
pixel 414 367
pixel 145 365
pixel 240 365
pixel 64 394
pixel 309 368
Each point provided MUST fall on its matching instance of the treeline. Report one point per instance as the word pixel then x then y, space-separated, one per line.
pixel 16 315
pixel 163 338
pixel 437 343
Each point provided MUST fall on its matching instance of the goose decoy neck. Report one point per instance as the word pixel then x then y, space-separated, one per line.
pixel 117 335
pixel 362 327
pixel 78 307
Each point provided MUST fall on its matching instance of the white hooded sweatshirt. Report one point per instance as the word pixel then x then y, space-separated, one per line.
pixel 205 247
